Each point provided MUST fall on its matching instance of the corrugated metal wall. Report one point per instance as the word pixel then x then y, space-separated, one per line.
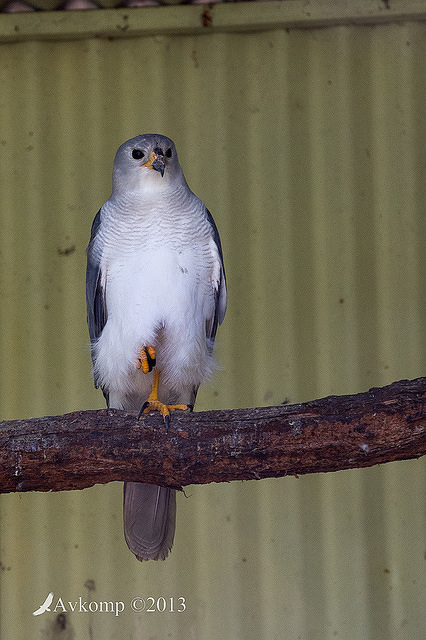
pixel 308 147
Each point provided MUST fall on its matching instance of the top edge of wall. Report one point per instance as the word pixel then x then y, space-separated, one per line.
pixel 204 18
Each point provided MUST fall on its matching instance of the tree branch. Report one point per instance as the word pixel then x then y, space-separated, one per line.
pixel 83 448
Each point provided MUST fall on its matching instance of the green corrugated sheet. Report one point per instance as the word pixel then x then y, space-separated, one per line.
pixel 308 147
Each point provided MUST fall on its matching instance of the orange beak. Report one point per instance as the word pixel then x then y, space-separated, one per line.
pixel 156 161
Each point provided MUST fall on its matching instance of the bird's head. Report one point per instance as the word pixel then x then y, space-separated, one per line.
pixel 147 162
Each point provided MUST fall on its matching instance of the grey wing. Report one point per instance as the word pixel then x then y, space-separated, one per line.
pixel 95 291
pixel 220 289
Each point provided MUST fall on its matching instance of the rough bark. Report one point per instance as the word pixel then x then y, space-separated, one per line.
pixel 83 448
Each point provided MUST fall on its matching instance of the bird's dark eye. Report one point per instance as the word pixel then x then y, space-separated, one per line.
pixel 169 153
pixel 137 154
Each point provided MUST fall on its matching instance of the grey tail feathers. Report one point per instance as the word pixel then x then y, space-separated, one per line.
pixel 149 514
pixel 149 511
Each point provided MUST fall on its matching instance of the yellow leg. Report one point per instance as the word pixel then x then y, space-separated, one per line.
pixel 152 403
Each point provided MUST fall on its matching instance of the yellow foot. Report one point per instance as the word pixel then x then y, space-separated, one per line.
pixel 164 409
pixel 153 403
pixel 146 359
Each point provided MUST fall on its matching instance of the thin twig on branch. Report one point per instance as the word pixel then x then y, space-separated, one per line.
pixel 83 448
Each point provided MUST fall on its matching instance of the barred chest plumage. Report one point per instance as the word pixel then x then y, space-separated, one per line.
pixel 158 271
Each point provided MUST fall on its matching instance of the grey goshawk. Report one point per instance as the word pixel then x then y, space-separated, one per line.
pixel 156 292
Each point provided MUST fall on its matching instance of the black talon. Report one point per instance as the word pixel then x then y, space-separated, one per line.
pixel 167 422
pixel 144 406
pixel 190 407
pixel 151 361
